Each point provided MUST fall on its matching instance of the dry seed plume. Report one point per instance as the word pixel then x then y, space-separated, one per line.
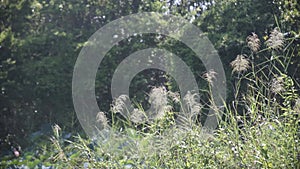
pixel 253 42
pixel 240 64
pixel 276 40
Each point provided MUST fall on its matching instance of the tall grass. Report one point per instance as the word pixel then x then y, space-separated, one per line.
pixel 258 129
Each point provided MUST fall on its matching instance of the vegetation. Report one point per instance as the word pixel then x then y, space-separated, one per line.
pixel 258 42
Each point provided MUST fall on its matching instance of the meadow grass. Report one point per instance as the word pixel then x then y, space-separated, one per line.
pixel 259 127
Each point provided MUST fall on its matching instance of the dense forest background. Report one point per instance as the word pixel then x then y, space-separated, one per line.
pixel 40 41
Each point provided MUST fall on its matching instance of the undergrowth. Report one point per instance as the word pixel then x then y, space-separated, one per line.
pixel 259 128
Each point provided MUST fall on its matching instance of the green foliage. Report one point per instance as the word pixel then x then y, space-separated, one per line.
pixel 260 129
pixel 40 41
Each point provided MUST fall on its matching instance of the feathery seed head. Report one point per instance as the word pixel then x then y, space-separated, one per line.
pixel 137 116
pixel 192 108
pixel 121 105
pixel 56 130
pixel 210 76
pixel 191 102
pixel 175 96
pixel 240 64
pixel 277 85
pixel 253 42
pixel 158 98
pixel 276 40
pixel 101 120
